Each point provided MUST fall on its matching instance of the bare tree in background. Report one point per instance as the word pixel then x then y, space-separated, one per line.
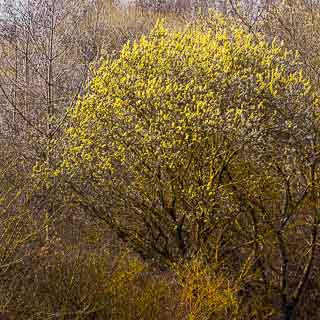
pixel 44 62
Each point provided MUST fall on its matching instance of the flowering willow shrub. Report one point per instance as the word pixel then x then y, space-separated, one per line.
pixel 176 134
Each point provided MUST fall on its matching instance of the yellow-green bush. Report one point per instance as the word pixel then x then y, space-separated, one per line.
pixel 70 283
pixel 152 146
pixel 206 292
